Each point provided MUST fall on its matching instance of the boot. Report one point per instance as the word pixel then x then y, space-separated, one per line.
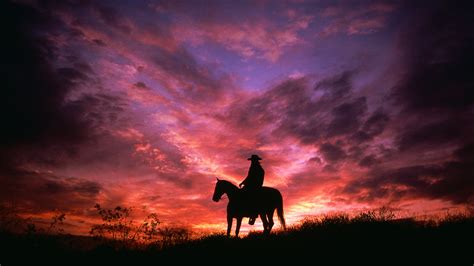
pixel 252 220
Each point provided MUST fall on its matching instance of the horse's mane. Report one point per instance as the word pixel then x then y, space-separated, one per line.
pixel 228 183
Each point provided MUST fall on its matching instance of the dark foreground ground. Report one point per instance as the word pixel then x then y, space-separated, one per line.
pixel 332 239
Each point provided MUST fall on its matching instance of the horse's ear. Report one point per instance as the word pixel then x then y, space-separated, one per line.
pixel 217 178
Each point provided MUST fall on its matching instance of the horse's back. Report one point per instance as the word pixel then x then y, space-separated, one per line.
pixel 271 190
pixel 271 194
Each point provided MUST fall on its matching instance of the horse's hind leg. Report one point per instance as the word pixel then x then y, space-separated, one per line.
pixel 265 222
pixel 270 220
pixel 229 224
pixel 237 228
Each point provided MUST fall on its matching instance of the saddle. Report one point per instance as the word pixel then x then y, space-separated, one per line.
pixel 251 203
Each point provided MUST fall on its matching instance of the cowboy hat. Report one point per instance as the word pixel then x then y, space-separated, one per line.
pixel 254 157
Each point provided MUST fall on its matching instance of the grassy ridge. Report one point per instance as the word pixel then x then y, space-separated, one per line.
pixel 338 238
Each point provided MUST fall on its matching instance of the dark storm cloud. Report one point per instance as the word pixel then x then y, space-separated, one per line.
pixel 435 98
pixel 331 152
pixel 46 118
pixel 438 50
pixel 72 185
pixel 42 191
pixel 338 85
pixel 33 96
pixel 436 92
pixel 113 18
pixel 307 118
pixel 368 161
pixel 99 42
pixel 451 180
pixel 374 126
pixel 199 83
pixel 292 109
pixel 82 10
pixel 441 131
pixel 33 108
pixel 141 85
pixel 41 124
pixel 347 117
pixel 287 105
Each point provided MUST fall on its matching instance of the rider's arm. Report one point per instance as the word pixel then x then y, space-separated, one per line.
pixel 246 179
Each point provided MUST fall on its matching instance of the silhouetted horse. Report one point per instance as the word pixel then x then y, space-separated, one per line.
pixel 267 200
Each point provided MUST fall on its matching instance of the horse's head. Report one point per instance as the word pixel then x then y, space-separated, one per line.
pixel 224 187
pixel 218 190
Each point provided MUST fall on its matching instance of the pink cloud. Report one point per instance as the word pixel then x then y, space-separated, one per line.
pixel 250 39
pixel 143 94
pixel 356 20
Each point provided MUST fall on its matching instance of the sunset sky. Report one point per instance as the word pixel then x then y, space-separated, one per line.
pixel 351 105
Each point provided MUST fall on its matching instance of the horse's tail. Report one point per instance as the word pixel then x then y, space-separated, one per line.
pixel 281 216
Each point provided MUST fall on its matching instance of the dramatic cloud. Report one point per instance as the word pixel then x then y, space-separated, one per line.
pixel 38 192
pixel 34 109
pixel 435 102
pixel 346 117
pixel 374 126
pixel 356 20
pixel 451 180
pixel 253 38
pixel 332 152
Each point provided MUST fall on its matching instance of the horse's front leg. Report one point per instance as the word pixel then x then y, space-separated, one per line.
pixel 237 229
pixel 229 224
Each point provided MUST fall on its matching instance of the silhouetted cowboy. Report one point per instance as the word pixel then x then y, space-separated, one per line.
pixel 253 182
